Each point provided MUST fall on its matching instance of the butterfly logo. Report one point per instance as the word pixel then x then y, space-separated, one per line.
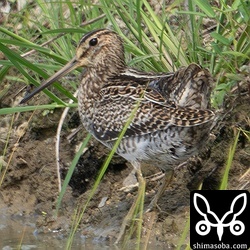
pixel 203 227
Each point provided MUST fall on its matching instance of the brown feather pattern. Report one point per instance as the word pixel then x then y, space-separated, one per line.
pixel 172 120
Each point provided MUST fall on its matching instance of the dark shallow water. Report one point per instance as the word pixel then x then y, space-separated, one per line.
pixel 19 233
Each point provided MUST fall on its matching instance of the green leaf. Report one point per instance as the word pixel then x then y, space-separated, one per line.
pixel 206 7
pixel 19 109
pixel 195 13
pixel 220 38
pixel 236 53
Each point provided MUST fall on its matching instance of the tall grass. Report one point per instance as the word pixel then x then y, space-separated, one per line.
pixel 152 41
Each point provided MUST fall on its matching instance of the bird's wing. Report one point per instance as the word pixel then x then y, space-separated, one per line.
pixel 187 87
pixel 145 109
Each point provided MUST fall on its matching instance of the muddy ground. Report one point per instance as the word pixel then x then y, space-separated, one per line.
pixel 30 185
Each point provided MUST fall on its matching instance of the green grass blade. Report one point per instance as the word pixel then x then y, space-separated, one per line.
pixel 224 181
pixel 102 171
pixel 206 7
pixel 20 109
pixel 70 171
pixel 184 235
pixel 19 62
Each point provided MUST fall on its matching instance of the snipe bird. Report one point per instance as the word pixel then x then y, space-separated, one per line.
pixel 172 120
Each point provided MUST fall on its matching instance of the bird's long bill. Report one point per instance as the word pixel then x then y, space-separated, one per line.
pixel 73 64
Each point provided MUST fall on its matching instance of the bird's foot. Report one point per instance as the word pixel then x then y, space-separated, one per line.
pixel 126 224
pixel 166 181
pixel 130 182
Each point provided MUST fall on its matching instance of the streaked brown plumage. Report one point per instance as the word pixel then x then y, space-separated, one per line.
pixel 172 121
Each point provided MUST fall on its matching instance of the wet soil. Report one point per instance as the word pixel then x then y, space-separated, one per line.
pixel 29 189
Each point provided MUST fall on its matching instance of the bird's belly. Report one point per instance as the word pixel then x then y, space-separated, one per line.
pixel 165 149
pixel 149 149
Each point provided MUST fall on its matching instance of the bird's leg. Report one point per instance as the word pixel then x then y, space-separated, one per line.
pixel 137 206
pixel 166 181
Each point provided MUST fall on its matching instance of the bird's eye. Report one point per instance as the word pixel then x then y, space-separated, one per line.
pixel 93 42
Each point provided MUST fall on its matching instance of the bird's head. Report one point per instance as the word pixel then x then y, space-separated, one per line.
pixel 99 50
